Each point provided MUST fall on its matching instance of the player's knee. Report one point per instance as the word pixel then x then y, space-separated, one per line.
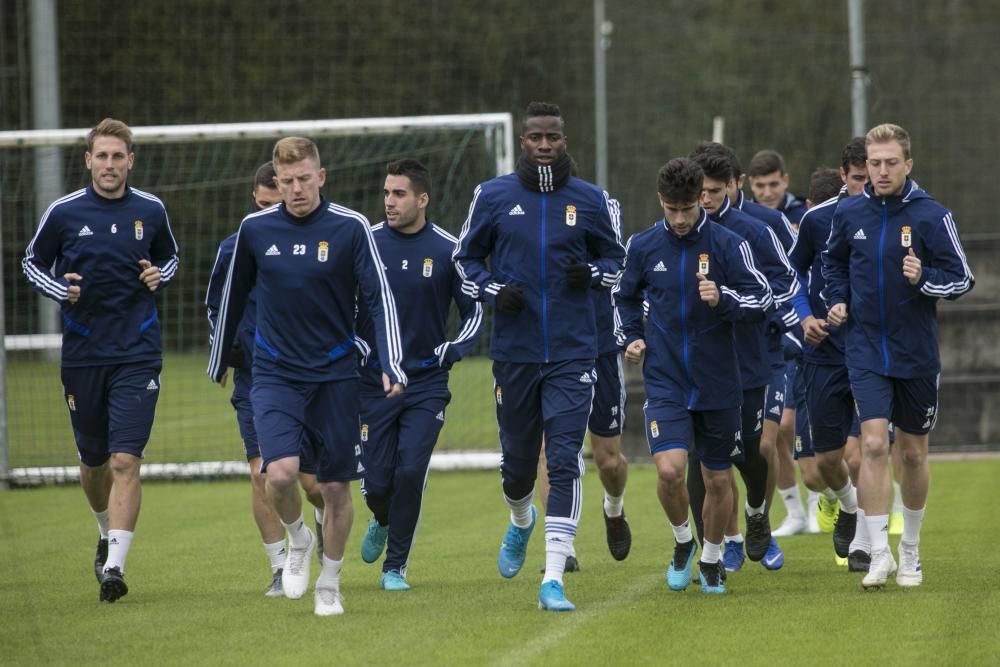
pixel 671 474
pixel 518 489
pixel 717 483
pixel 874 446
pixel 913 457
pixel 410 478
pixel 125 465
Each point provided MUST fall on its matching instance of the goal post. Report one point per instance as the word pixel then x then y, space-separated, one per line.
pixel 204 175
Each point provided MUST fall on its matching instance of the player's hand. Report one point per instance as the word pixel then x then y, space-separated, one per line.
pixel 222 380
pixel 814 330
pixel 707 290
pixel 578 275
pixel 912 267
pixel 73 291
pixel 150 274
pixel 510 300
pixel 391 390
pixel 837 315
pixel 237 357
pixel 635 350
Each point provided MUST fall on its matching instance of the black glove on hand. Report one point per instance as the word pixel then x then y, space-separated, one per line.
pixel 237 358
pixel 510 300
pixel 578 275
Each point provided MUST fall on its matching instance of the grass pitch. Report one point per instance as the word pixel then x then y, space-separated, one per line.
pixel 197 573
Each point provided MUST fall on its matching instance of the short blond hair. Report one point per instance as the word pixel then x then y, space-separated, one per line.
pixel 294 149
pixel 887 132
pixel 109 127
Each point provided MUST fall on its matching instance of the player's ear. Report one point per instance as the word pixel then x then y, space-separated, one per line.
pixel 423 200
pixel 322 176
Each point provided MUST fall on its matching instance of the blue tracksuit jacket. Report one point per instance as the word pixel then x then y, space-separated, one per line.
pixel 691 356
pixel 892 325
pixel 529 238
pixel 115 321
pixel 213 299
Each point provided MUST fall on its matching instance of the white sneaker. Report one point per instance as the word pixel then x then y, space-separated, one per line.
pixel 882 567
pixel 329 602
pixel 295 574
pixel 910 573
pixel 792 525
pixel 812 523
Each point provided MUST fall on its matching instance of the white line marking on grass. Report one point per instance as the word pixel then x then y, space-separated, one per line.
pixel 573 620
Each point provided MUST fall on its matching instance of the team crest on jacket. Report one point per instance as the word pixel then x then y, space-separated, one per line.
pixel 570 215
pixel 428 270
pixel 138 230
pixel 654 429
pixel 906 237
pixel 71 402
pixel 364 433
pixel 323 252
pixel 703 263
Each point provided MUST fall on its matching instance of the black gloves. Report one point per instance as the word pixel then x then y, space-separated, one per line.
pixel 237 358
pixel 510 300
pixel 578 275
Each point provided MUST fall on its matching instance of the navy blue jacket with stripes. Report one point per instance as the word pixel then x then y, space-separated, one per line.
pixel 529 238
pixel 306 272
pixel 213 299
pixel 115 320
pixel 891 324
pixel 691 358
pixel 424 282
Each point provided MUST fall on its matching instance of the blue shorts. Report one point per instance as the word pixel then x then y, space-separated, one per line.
pixel 831 406
pixel 775 401
pixel 111 408
pixel 752 412
pixel 242 383
pixel 795 396
pixel 399 432
pixel 607 415
pixel 803 447
pixel 714 435
pixel 293 418
pixel 911 404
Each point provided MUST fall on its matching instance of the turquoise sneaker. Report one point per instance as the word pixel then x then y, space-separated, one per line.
pixel 774 558
pixel 711 577
pixel 552 598
pixel 394 581
pixel 514 548
pixel 679 570
pixel 373 542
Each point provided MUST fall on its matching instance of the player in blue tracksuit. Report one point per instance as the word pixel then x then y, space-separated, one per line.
pixel 699 279
pixel 892 253
pixel 308 261
pixel 752 340
pixel 101 253
pixel 265 194
pixel 399 434
pixel 769 183
pixel 550 239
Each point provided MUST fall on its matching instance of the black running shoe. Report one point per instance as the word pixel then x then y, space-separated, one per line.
pixel 758 538
pixel 843 533
pixel 113 585
pixel 101 558
pixel 572 565
pixel 712 577
pixel 858 561
pixel 619 536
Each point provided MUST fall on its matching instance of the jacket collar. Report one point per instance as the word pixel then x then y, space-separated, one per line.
pixel 694 234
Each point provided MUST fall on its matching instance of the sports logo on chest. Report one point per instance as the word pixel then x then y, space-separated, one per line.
pixel 570 215
pixel 428 269
pixel 323 251
pixel 137 225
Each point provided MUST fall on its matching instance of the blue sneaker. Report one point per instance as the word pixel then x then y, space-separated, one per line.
pixel 515 547
pixel 374 541
pixel 773 559
pixel 394 581
pixel 552 598
pixel 711 577
pixel 732 556
pixel 679 570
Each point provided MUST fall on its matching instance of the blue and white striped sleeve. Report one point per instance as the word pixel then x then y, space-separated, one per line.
pixel 945 273
pixel 41 255
pixel 374 287
pixel 746 296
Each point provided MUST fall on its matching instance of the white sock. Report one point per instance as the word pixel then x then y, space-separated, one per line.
pixel 753 511
pixel 118 543
pixel 911 524
pixel 276 554
pixel 613 504
pixel 318 515
pixel 737 538
pixel 848 497
pixel 102 522
pixel 829 494
pixel 897 497
pixel 682 533
pixel 861 542
pixel 329 576
pixel 711 553
pixel 878 531
pixel 556 551
pixel 793 501
pixel 298 534
pixel 520 510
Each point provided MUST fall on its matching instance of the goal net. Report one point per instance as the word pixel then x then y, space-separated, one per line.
pixel 204 175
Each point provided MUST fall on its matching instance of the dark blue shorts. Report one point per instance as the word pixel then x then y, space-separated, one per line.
pixel 111 408
pixel 795 396
pixel 831 406
pixel 775 399
pixel 752 412
pixel 802 447
pixel 399 432
pixel 909 403
pixel 242 383
pixel 607 415
pixel 714 435
pixel 317 420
